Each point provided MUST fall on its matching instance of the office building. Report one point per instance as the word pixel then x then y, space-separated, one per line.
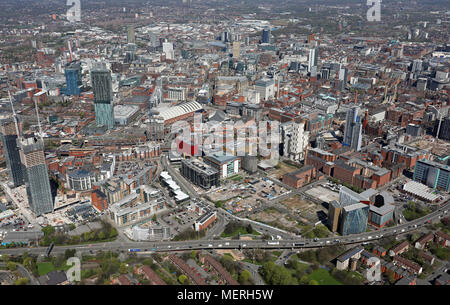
pixel 342 80
pixel 8 136
pixel 236 49
pixel 334 214
pixel 353 129
pixel 226 165
pixel 266 88
pixel 444 132
pixel 73 79
pixel 168 50
pixel 354 218
pixel 199 173
pixel 102 86
pixel 131 35
pixel 416 66
pixel 36 175
pixel 433 174
pixel 298 142
pixel 265 35
pixel 313 58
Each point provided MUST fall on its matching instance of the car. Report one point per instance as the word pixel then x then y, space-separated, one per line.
pixel 227 244
pixel 210 246
pixel 220 245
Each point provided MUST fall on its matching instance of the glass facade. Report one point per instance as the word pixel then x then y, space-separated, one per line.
pixel 348 197
pixel 102 86
pixel 37 181
pixel 381 219
pixel 432 174
pixel 73 79
pixel 354 219
pixel 15 169
pixel 38 189
pixel 8 137
pixel 104 114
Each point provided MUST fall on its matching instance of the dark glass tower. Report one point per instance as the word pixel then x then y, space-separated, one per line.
pixel 8 136
pixel 36 175
pixel 73 79
pixel 102 87
pixel 265 36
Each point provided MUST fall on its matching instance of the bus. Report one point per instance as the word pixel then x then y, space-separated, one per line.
pixel 298 244
pixel 134 250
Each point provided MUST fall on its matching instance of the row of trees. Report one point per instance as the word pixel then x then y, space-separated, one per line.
pixel 414 211
pixel 322 256
pixel 242 275
pixel 107 232
pixel 189 234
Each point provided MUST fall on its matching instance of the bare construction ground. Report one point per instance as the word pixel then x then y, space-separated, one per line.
pixel 274 218
pixel 281 169
pixel 306 210
pixel 323 194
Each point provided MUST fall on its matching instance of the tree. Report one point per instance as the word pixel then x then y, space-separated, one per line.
pixel 244 277
pixel 193 254
pixel 304 280
pixel 249 229
pixel 182 279
pixel 69 253
pixel 113 233
pixel 11 266
pixel 21 281
pixel 123 269
pixel 28 262
pixel 48 230
pixel 101 235
pixel 313 282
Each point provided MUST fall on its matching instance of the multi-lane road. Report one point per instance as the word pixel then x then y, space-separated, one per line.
pixel 293 243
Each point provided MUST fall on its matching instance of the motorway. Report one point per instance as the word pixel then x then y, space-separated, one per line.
pixel 294 243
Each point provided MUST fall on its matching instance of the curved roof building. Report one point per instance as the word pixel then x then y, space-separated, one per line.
pixel 172 114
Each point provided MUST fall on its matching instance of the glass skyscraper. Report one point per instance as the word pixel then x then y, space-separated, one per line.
pixel 8 136
pixel 102 86
pixel 353 129
pixel 266 35
pixel 354 218
pixel 73 79
pixel 36 175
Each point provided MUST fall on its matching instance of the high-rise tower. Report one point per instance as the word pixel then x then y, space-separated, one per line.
pixel 102 86
pixel 353 129
pixel 8 136
pixel 36 175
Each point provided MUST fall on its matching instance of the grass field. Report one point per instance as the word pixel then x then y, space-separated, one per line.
pixel 241 231
pixel 323 277
pixel 44 268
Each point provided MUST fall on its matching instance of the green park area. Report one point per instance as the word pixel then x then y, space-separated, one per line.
pixel 323 277
pixel 235 229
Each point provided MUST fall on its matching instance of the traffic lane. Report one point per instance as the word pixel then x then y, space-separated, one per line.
pixel 159 246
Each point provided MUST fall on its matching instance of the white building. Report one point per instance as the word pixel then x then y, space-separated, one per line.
pixel 176 94
pixel 295 140
pixel 266 88
pixel 168 50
